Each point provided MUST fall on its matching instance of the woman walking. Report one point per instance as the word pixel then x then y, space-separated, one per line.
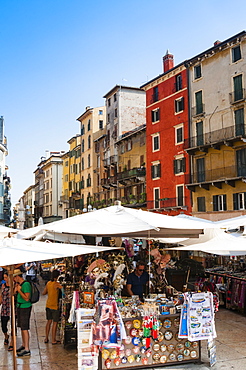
pixel 5 311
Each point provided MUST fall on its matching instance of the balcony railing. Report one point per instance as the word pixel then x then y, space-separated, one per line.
pixel 223 134
pixel 237 96
pixel 135 172
pixel 109 180
pixel 64 198
pixel 130 200
pixel 197 110
pixel 154 98
pixel 76 194
pixel 223 174
pixel 168 203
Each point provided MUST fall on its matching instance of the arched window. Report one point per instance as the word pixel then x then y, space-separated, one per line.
pixel 83 146
pixel 89 141
pixel 89 160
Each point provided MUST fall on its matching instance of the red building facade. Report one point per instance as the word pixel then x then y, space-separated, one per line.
pixel 167 118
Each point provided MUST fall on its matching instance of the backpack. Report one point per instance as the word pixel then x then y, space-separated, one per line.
pixel 35 294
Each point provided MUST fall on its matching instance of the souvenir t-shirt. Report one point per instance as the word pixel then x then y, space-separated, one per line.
pixel 25 288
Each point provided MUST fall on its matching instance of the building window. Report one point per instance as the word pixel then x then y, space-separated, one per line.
pixel 129 145
pixel 199 133
pixel 89 125
pixel 82 164
pixel 179 136
pixel 199 104
pixel 197 72
pixel 89 142
pixel 179 105
pixel 100 124
pixel 98 161
pixel 109 102
pixel 122 148
pixel 155 142
pixel 66 164
pixel 100 112
pixel 83 146
pixel 155 115
pixel 155 96
pixel 238 88
pixel 178 82
pixel 200 166
pixel 156 171
pixel 236 54
pixel 219 203
pixel 241 162
pixel 89 160
pixel 66 178
pixel 115 113
pixel 157 198
pixel 201 206
pixel 180 195
pixel 82 130
pixel 179 165
pixel 89 180
pixel 239 201
pixel 115 97
pixel 239 122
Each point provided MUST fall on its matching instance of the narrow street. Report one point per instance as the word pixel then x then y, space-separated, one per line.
pixel 231 346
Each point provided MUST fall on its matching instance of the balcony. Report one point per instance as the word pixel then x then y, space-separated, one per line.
pixel 237 96
pixel 109 181
pixel 215 177
pixel 130 174
pixel 222 136
pixel 154 98
pixel 168 203
pixel 75 194
pixel 133 201
pixel 198 110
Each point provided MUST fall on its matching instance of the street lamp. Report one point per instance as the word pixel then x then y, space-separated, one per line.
pixel 88 209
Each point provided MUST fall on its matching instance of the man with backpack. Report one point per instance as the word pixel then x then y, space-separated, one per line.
pixel 24 308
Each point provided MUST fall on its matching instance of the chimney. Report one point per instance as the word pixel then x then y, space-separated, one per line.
pixel 217 42
pixel 168 62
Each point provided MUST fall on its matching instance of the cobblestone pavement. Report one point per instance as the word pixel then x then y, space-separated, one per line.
pixel 231 346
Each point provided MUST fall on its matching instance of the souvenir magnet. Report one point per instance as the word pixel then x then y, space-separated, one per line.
pixel 156 357
pixel 167 324
pixel 170 347
pixel 135 350
pixel 180 357
pixel 105 354
pixel 128 340
pixel 194 344
pixel 128 325
pixel 160 336
pixel 176 322
pixel 179 347
pixel 124 360
pixel 140 332
pixel 148 352
pixel 187 352
pixel 133 332
pixel 113 355
pixel 142 349
pixel 156 347
pixel 117 361
pixel 138 358
pixel 187 344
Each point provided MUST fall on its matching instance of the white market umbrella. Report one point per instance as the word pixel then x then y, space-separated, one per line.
pixel 4 231
pixel 122 221
pixel 222 244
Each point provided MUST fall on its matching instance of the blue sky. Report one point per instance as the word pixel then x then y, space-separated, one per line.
pixel 59 56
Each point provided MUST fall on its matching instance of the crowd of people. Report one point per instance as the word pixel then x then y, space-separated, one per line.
pixel 23 277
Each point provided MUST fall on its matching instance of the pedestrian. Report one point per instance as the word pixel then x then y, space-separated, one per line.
pixel 24 308
pixel 5 310
pixel 137 281
pixel 30 268
pixel 52 306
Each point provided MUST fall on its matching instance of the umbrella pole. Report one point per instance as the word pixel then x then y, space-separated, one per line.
pixel 12 301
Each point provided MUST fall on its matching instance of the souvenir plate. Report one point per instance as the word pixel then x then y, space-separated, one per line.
pixel 135 341
pixel 163 359
pixel 167 324
pixel 176 322
pixel 128 352
pixel 156 347
pixel 105 354
pixel 180 357
pixel 130 359
pixel 117 361
pixel 168 335
pixel 133 332
pixel 137 324
pixel 128 325
pixel 113 354
pixel 187 352
pixel 128 340
pixel 135 350
pixel 108 363
pixel 170 347
pixel 163 348
pixel 179 347
pixel 156 357
pixel 138 358
pixel 144 360
pixel 160 336
pixel 172 357
pixel 193 354
pixel 187 344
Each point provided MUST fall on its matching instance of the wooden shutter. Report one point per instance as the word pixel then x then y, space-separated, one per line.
pixel 235 202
